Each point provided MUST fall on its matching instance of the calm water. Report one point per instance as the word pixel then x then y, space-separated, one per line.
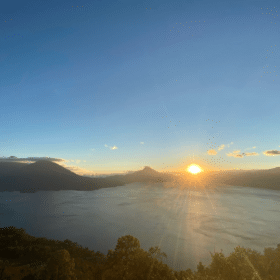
pixel 186 225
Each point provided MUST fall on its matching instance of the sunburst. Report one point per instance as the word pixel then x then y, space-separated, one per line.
pixel 194 169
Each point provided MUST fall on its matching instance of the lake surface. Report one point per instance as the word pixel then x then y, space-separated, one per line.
pixel 185 224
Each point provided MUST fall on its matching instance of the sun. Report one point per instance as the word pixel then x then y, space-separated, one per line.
pixel 194 169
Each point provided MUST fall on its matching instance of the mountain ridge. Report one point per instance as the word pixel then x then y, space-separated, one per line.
pixel 46 175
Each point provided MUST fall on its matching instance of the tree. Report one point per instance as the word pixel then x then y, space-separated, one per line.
pixel 129 261
pixel 60 266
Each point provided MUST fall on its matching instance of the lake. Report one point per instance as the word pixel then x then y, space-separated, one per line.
pixel 185 224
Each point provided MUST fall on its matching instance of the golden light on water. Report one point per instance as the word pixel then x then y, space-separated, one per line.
pixel 194 169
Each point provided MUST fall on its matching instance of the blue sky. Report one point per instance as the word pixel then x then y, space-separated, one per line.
pixel 111 86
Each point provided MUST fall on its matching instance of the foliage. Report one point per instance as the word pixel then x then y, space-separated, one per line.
pixel 24 257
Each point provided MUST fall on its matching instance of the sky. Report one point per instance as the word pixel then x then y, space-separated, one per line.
pixel 107 86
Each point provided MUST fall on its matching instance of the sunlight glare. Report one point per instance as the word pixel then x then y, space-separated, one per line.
pixel 194 169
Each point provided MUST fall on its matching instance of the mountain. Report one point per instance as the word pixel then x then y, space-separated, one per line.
pixel 147 175
pixel 262 178
pixel 45 167
pixel 6 167
pixel 45 175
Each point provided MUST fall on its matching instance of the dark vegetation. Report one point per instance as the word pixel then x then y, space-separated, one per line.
pixel 24 257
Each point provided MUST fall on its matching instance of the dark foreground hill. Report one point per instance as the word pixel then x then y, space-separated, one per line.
pixel 24 257
pixel 48 176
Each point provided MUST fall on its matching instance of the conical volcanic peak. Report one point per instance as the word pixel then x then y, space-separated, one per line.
pixel 149 169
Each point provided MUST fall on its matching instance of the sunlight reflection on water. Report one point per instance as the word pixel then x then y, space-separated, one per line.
pixel 182 223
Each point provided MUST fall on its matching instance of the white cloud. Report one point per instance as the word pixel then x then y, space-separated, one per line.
pixel 31 159
pixel 212 152
pixel 111 148
pixel 77 170
pixel 251 154
pixel 63 162
pixel 229 144
pixel 221 147
pixel 142 143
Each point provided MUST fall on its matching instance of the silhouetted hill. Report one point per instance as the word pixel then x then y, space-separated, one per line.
pixel 262 178
pixel 45 175
pixel 46 167
pixel 6 167
pixel 147 175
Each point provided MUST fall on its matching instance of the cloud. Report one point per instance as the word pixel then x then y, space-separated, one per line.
pixel 142 143
pixel 76 169
pixel 212 152
pixel 251 154
pixel 30 159
pixel 111 148
pixel 78 161
pixel 63 162
pixel 272 153
pixel 221 147
pixel 229 144
pixel 84 160
pixel 236 155
pixel 92 150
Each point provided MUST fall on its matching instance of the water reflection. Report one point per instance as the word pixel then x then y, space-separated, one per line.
pixel 185 223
